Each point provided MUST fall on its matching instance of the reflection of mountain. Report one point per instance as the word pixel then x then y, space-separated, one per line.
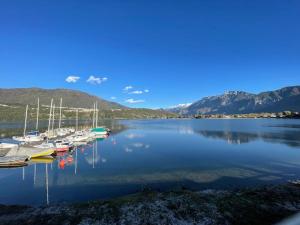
pixel 230 137
pixel 290 138
pixel 115 126
pixel 197 176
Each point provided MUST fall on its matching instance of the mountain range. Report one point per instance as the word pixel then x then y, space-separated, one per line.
pixel 13 101
pixel 231 102
pixel 239 102
pixel 71 98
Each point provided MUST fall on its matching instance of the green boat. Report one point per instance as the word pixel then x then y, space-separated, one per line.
pixel 99 130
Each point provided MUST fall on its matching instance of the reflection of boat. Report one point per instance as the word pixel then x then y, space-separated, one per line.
pixel 101 139
pixel 13 161
pixel 45 159
pixel 13 165
pixel 62 153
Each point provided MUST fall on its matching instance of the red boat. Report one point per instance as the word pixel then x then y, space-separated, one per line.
pixel 62 146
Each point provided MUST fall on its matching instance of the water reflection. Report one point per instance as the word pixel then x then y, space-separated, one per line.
pixel 290 138
pixel 160 154
pixel 136 146
pixel 44 175
pixel 230 137
pixel 93 158
pixel 134 136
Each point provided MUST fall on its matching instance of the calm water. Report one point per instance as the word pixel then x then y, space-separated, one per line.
pixel 162 154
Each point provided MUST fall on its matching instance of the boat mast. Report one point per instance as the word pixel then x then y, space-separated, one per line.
pixel 49 119
pixel 60 113
pixel 25 124
pixel 96 114
pixel 53 115
pixel 76 119
pixel 37 114
pixel 93 116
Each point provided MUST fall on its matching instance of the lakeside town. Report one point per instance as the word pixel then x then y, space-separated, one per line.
pixel 279 115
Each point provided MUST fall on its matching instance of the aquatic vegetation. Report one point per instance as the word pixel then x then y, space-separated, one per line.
pixel 264 205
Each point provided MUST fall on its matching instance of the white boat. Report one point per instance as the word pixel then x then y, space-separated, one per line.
pixel 100 131
pixel 63 145
pixel 71 130
pixel 61 132
pixel 80 143
pixel 45 145
pixel 33 136
pixel 7 145
pixel 78 138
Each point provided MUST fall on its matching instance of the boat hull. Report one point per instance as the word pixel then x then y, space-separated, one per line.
pixel 42 153
pixel 62 149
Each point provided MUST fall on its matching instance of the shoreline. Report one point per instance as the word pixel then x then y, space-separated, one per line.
pixel 262 205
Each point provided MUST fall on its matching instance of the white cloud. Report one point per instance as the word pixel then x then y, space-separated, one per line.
pixel 133 136
pixel 96 80
pixel 146 91
pixel 72 79
pixel 113 98
pixel 132 101
pixel 136 92
pixel 128 149
pixel 127 88
pixel 138 145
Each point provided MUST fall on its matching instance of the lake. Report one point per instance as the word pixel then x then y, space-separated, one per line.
pixel 163 155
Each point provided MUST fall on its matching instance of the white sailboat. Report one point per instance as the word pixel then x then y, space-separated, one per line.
pixel 33 136
pixel 79 136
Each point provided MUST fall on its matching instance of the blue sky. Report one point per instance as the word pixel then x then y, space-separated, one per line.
pixel 169 52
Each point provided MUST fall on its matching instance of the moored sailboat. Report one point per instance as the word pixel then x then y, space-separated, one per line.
pixel 33 136
pixel 98 131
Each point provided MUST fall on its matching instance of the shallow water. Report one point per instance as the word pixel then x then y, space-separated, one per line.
pixel 162 154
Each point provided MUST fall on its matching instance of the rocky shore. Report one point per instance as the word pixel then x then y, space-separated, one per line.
pixel 264 205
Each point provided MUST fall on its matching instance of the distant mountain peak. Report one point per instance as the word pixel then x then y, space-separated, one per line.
pixel 235 93
pixel 182 105
pixel 180 108
pixel 239 102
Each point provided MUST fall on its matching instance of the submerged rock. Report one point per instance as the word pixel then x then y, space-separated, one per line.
pixel 266 205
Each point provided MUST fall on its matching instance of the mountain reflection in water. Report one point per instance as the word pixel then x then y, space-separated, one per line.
pixel 290 138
